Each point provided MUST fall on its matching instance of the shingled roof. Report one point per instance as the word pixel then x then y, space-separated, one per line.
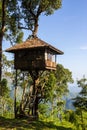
pixel 33 43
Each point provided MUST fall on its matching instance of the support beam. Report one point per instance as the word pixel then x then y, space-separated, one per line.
pixel 15 91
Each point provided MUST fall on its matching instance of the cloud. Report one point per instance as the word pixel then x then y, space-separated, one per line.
pixel 83 48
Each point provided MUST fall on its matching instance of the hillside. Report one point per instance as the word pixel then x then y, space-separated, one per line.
pixel 23 124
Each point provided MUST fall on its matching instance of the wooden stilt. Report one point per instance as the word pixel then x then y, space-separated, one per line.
pixel 15 90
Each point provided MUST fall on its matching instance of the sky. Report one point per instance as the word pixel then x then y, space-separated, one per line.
pixel 66 30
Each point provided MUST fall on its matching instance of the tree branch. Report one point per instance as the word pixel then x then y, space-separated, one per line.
pixel 20 27
pixel 39 11
pixel 30 9
pixel 3 15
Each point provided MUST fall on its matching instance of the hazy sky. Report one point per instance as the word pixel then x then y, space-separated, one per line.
pixel 66 29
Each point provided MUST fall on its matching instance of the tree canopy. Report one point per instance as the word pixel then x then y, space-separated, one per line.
pixel 30 11
pixel 81 100
pixel 8 24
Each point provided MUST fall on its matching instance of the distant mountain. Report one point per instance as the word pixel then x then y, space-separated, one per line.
pixel 69 104
pixel 69 101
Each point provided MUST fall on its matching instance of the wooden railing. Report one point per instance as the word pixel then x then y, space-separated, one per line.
pixel 50 64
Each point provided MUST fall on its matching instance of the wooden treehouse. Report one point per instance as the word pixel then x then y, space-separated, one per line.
pixel 34 55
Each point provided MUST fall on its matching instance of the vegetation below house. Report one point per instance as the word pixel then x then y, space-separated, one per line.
pixel 15 124
pixel 41 124
pixel 51 88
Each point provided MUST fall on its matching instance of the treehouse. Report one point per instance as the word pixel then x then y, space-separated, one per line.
pixel 34 54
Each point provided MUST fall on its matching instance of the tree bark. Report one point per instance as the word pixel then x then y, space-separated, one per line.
pixel 15 92
pixel 35 28
pixel 2 34
pixel 36 107
pixel 1 38
pixel 22 101
pixel 35 76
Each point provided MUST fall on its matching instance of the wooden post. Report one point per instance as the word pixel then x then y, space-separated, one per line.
pixel 15 91
pixel 55 58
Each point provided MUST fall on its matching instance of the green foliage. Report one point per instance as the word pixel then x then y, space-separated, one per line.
pixel 64 75
pixel 31 10
pixel 6 107
pixel 54 86
pixel 50 87
pixel 70 116
pixel 43 110
pixel 81 100
pixel 20 37
pixel 6 103
pixel 81 103
pixel 63 78
pixel 43 123
pixel 8 24
pixel 83 84
pixel 9 19
pixel 39 6
pixel 75 118
pixel 29 124
pixel 3 88
pixel 6 64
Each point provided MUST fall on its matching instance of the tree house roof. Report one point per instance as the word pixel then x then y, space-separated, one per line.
pixel 33 43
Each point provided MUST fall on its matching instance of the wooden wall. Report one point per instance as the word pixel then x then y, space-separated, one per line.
pixel 29 60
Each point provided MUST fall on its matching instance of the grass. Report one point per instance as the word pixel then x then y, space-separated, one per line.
pixel 26 124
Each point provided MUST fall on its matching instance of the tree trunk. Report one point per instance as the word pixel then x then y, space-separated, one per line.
pixel 52 110
pixel 35 76
pixel 35 28
pixel 1 38
pixel 22 101
pixel 36 107
pixel 15 92
pixel 2 34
